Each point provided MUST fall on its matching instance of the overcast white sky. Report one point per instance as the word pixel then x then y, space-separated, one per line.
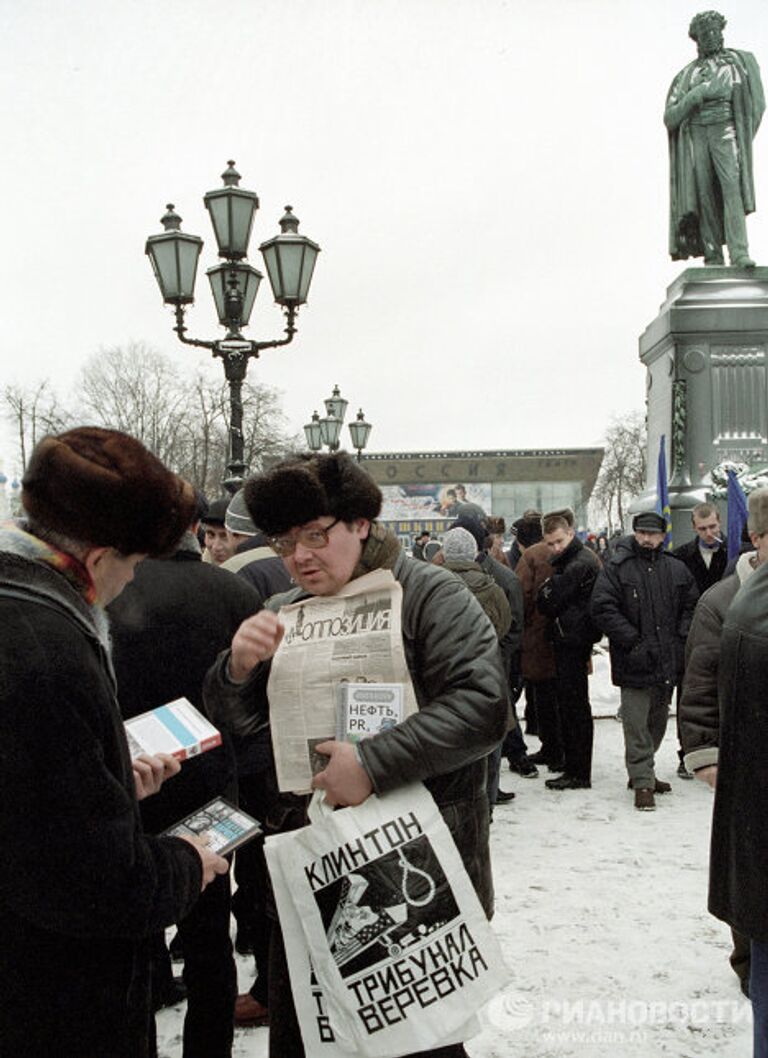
pixel 487 180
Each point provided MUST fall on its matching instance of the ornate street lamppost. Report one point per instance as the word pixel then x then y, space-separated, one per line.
pixel 327 431
pixel 290 261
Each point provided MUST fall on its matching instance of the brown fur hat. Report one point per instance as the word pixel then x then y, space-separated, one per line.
pixel 557 519
pixel 308 486
pixel 105 489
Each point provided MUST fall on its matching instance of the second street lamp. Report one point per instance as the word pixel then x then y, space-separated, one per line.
pixel 327 431
pixel 290 261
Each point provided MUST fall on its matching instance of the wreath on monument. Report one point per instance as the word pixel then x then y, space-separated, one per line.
pixel 750 478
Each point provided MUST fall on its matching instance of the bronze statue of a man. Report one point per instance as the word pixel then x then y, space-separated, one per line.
pixel 713 111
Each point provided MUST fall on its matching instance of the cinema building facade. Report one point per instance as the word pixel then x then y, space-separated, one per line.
pixel 419 487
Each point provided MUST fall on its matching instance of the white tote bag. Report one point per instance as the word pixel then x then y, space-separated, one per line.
pixel 389 950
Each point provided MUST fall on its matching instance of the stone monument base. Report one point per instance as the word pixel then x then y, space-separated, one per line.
pixel 706 358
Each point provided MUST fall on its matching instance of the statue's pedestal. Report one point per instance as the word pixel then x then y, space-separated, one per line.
pixel 706 357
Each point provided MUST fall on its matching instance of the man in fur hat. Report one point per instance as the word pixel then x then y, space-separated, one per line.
pixel 320 512
pixel 83 888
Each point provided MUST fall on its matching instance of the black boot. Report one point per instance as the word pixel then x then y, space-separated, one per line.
pixel 567 782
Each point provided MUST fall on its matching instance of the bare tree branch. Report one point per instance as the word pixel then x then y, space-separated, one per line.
pixel 622 473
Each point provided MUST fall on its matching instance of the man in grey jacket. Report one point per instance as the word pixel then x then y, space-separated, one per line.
pixel 699 707
pixel 699 712
pixel 320 512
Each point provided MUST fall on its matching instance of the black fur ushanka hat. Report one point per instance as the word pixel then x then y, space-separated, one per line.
pixel 105 489
pixel 308 486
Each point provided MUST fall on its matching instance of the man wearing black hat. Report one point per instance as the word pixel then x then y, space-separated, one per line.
pixel 320 512
pixel 218 546
pixel 644 601
pixel 83 889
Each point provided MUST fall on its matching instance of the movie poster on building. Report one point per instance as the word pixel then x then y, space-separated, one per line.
pixel 429 501
pixel 403 954
pixel 354 636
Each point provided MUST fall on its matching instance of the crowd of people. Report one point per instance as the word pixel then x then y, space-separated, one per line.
pixel 121 589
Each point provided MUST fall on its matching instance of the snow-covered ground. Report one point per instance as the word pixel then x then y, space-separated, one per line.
pixel 601 911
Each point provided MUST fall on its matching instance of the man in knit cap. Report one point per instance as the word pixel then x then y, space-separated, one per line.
pixel 83 888
pixel 252 557
pixel 320 512
pixel 459 554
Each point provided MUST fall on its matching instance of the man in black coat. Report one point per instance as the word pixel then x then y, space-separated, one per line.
pixel 564 598
pixel 644 601
pixel 168 626
pixel 83 887
pixel 738 881
pixel 706 556
pixel 256 563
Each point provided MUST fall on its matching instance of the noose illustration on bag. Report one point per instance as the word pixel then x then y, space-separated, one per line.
pixel 356 926
pixel 408 868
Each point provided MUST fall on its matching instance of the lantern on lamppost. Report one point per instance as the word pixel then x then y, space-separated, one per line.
pixel 360 431
pixel 290 262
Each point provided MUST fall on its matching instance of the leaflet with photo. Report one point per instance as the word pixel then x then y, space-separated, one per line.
pixel 223 826
pixel 366 709
pixel 176 728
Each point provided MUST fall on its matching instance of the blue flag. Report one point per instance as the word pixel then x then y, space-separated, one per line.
pixel 662 494
pixel 737 514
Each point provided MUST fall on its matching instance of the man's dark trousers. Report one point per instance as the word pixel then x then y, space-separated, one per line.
pixel 209 973
pixel 544 695
pixel 758 993
pixel 575 711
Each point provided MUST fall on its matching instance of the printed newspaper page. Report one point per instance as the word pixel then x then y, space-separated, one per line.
pixel 355 636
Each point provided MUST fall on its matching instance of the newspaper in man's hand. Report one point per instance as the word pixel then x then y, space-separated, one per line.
pixel 352 637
